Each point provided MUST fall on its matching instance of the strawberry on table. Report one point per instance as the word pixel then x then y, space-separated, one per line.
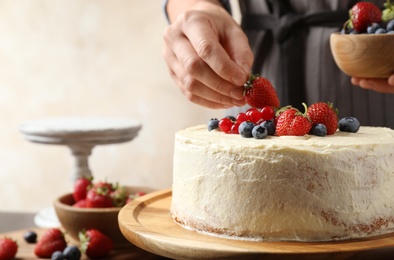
pixel 290 121
pixel 8 248
pixel 94 243
pixel 51 241
pixel 324 113
pixel 259 92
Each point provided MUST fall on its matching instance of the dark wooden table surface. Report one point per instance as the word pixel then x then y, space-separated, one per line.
pixel 14 224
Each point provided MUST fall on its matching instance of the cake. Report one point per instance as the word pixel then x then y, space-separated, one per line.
pixel 286 188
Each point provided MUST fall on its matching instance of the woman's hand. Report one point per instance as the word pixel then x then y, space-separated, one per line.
pixel 378 85
pixel 208 56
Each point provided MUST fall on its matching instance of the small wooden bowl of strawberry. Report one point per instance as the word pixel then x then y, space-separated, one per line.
pixel 95 206
pixel 364 55
pixel 364 48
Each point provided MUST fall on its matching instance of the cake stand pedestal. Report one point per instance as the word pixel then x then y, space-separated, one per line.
pixel 80 135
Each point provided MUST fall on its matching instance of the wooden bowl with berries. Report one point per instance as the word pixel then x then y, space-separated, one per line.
pixel 364 47
pixel 95 206
pixel 364 55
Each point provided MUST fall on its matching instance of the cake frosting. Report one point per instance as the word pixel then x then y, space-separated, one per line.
pixel 286 188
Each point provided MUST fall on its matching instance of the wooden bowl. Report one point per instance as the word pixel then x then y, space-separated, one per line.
pixel 73 220
pixel 364 55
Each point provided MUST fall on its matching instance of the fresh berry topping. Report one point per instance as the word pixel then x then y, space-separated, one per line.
pixel 51 241
pixel 292 122
pixel 270 126
pixel 30 237
pixel 259 92
pixel 72 253
pixel 324 113
pixel 241 117
pixel 349 124
pixel 225 125
pixel 267 113
pixel 259 132
pixel 8 248
pixel 235 128
pixel 363 14
pixel 94 243
pixel 232 118
pixel 319 130
pixel 254 115
pixel 213 124
pixel 245 129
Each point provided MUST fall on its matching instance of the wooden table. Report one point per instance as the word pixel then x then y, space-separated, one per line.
pixel 15 224
pixel 26 251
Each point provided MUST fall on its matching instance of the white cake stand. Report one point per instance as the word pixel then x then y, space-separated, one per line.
pixel 81 135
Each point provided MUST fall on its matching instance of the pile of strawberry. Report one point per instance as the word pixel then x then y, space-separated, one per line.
pixel 53 244
pixel 267 118
pixel 366 17
pixel 102 194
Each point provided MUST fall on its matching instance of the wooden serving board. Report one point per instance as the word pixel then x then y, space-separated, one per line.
pixel 146 222
pixel 26 250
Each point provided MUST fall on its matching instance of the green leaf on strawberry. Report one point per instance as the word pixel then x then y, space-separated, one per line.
pixel 388 12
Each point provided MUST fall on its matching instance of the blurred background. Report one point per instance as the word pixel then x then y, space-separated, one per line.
pixel 61 58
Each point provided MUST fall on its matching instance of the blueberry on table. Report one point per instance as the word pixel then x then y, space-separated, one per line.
pixel 57 255
pixel 72 253
pixel 30 237
pixel 349 124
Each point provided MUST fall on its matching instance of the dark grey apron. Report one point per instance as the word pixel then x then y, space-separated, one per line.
pixel 279 37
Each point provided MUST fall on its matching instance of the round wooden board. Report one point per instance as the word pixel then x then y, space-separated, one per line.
pixel 146 222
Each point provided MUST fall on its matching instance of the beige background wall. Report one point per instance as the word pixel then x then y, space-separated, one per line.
pixel 85 58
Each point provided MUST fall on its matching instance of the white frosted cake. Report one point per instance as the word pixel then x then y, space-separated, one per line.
pixel 285 188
